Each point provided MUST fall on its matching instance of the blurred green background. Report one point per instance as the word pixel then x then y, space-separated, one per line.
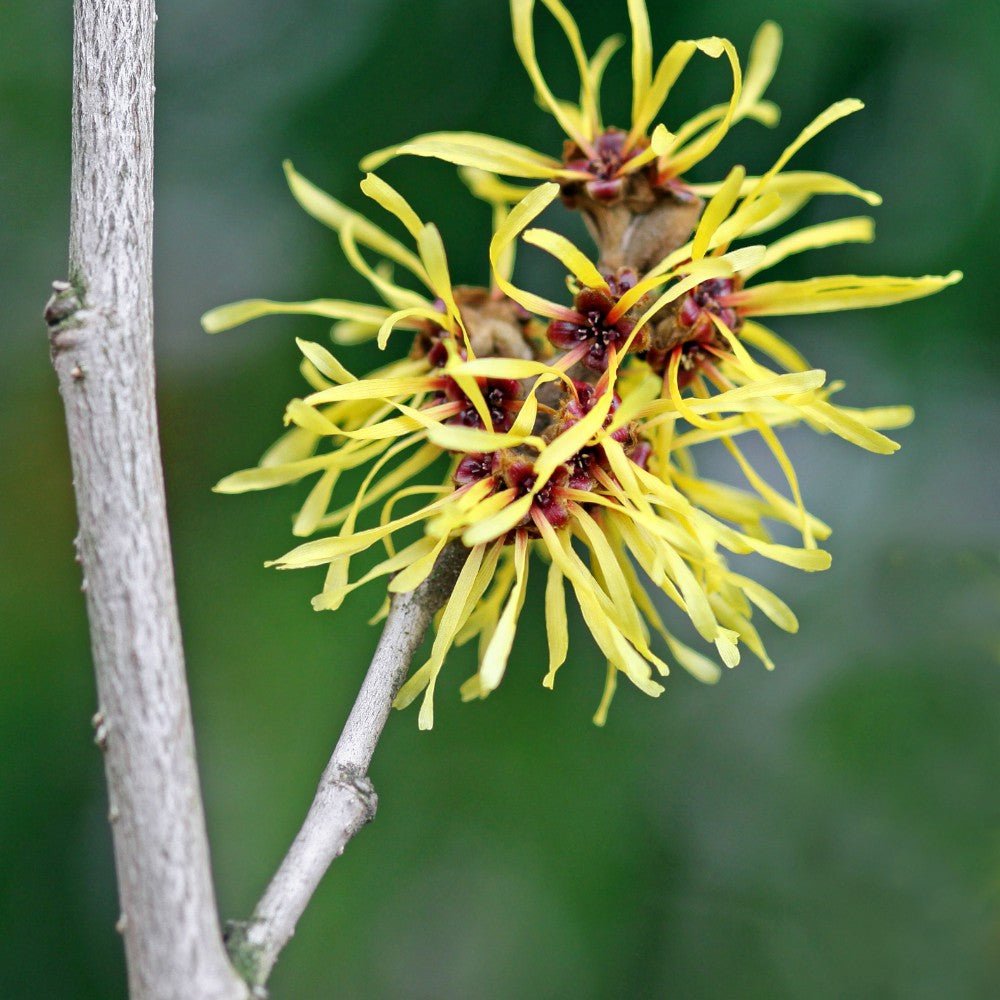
pixel 832 830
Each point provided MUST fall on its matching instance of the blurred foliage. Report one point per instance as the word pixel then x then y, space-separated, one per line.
pixel 829 831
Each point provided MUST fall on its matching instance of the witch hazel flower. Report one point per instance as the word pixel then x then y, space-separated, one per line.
pixel 531 433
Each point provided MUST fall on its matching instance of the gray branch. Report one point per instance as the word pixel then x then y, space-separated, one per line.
pixel 345 800
pixel 101 337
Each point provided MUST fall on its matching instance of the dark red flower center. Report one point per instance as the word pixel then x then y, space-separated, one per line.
pixel 586 399
pixel 502 397
pixel 704 301
pixel 475 467
pixel 603 162
pixel 591 326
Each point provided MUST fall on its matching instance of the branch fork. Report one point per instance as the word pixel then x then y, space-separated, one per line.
pixel 345 799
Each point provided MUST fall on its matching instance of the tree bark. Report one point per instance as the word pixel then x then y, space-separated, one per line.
pixel 101 337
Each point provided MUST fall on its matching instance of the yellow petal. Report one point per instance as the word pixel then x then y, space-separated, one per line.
pixel 750 216
pixel 270 476
pixel 470 149
pixel 396 295
pixel 392 201
pixel 488 187
pixel 236 313
pixel 824 119
pixel 522 15
pixel 324 550
pixel 680 161
pixel 699 272
pixel 494 664
pixel 565 445
pixel 349 332
pixel 474 506
pixel 642 56
pixel 498 524
pixel 455 610
pixel 526 211
pixel 595 72
pixel 809 560
pixel 617 585
pixel 512 368
pixel 556 626
pixel 610 684
pixel 795 515
pixel 765 50
pixel 587 112
pixel 332 597
pixel 316 504
pixel 669 69
pixel 696 664
pixel 471 439
pixel 831 294
pixel 850 429
pixel 292 446
pixel 432 254
pixel 325 362
pixel 400 318
pixel 716 211
pixel 595 607
pixel 372 388
pixel 774 346
pixel 856 230
pixel 772 605
pixel 881 417
pixel 798 183
pixel 309 418
pixel 569 255
pixel 417 571
pixel 332 213
pixel 736 400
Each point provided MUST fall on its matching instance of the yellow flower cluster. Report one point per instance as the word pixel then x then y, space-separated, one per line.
pixel 568 427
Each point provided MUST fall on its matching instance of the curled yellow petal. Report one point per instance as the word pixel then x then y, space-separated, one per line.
pixel 841 109
pixel 681 160
pixel 765 50
pixel 267 477
pixel 396 295
pixel 669 69
pixel 392 201
pixel 525 212
pixel 332 213
pixel 402 317
pixel 325 362
pixel 569 255
pixel 522 18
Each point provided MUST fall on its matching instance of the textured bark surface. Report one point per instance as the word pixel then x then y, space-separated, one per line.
pixel 345 800
pixel 101 336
